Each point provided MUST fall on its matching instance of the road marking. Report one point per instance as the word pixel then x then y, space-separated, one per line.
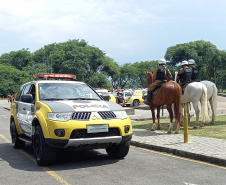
pixel 186 183
pixel 3 137
pixel 45 168
pixel 4 116
pixel 178 157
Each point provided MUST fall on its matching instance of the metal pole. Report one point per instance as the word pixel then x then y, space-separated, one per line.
pixel 175 76
pixel 185 124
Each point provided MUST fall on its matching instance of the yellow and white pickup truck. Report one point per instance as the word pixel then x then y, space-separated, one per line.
pixel 66 114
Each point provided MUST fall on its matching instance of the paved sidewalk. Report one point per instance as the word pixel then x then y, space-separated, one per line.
pixel 200 148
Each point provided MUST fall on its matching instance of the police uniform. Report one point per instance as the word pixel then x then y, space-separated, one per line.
pixel 194 76
pixel 185 73
pixel 121 99
pixel 160 74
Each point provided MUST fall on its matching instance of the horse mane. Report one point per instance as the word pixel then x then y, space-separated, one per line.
pixel 149 76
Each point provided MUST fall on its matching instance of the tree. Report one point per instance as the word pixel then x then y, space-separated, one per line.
pixel 141 68
pixel 206 55
pixel 99 80
pixel 76 57
pixel 19 59
pixel 112 69
pixel 11 79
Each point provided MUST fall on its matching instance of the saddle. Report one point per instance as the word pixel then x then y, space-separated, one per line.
pixel 155 90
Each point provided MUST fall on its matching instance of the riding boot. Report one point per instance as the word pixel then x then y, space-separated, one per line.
pixel 149 96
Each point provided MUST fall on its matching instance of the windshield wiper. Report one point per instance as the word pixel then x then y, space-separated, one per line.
pixel 82 99
pixel 52 99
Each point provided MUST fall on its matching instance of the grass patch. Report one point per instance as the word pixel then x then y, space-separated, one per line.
pixel 217 130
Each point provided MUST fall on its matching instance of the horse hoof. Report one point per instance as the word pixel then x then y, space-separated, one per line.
pixel 152 129
pixel 169 132
pixel 195 127
pixel 202 125
pixel 176 132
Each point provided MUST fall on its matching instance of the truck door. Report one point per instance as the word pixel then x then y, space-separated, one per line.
pixel 25 112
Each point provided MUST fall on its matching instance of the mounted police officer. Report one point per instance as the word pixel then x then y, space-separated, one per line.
pixel 161 74
pixel 184 74
pixel 194 76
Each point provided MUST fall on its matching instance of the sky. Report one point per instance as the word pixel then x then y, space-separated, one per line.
pixel 127 31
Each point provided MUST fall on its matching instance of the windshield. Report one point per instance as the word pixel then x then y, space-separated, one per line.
pixel 66 91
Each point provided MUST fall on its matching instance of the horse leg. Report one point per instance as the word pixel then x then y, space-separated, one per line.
pixel 153 118
pixel 197 111
pixel 158 116
pixel 188 113
pixel 169 108
pixel 182 115
pixel 213 111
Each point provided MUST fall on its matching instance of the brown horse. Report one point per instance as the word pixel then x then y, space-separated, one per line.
pixel 168 94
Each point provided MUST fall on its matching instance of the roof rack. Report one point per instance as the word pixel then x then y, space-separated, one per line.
pixel 47 76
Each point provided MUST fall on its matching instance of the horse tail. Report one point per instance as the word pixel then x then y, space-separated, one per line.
pixel 177 103
pixel 204 106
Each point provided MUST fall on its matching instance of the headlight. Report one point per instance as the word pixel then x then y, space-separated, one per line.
pixel 121 114
pixel 59 116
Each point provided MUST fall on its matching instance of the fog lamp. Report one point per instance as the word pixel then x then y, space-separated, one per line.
pixel 127 127
pixel 59 132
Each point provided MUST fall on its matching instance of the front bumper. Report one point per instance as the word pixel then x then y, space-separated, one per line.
pixel 65 143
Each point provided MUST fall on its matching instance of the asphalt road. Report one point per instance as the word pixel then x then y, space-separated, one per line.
pixel 95 167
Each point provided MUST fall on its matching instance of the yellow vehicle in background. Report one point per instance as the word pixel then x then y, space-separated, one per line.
pixel 132 98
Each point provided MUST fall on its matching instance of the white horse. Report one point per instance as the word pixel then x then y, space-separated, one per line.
pixel 197 92
pixel 211 97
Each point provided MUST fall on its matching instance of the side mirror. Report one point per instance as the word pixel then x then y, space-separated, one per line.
pixel 27 98
pixel 106 97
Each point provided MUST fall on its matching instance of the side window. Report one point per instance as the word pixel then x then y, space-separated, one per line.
pixel 19 94
pixel 32 91
pixel 23 90
pixel 26 89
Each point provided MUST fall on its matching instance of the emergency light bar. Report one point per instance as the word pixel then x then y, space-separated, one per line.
pixel 54 76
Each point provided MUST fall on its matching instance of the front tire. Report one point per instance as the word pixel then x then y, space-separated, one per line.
pixel 16 142
pixel 118 151
pixel 44 154
pixel 136 103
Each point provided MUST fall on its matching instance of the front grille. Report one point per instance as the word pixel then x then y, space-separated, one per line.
pixel 107 114
pixel 83 133
pixel 81 115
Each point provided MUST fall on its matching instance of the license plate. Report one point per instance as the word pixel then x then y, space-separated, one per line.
pixel 97 128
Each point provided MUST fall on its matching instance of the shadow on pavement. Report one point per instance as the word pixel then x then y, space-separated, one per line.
pixel 66 160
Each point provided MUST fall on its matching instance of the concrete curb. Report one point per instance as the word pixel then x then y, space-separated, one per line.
pixel 220 94
pixel 190 155
pixel 7 108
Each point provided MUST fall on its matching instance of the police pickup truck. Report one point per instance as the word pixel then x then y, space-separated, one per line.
pixel 55 112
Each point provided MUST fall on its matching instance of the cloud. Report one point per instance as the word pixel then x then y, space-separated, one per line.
pixel 140 29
